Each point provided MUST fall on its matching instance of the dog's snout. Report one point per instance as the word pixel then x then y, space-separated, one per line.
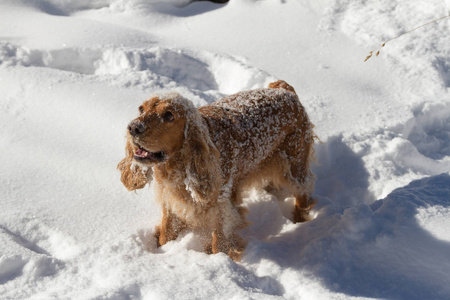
pixel 136 127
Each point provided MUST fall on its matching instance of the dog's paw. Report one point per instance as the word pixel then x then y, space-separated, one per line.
pixel 301 214
pixel 157 235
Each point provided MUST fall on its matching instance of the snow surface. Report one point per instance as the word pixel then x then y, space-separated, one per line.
pixel 73 72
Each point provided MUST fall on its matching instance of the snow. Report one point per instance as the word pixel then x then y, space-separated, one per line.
pixel 73 73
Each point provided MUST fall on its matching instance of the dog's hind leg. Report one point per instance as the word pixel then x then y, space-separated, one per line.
pixel 288 185
pixel 288 174
pixel 301 181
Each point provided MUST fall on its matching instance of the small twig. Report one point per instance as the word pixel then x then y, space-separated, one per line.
pixel 382 45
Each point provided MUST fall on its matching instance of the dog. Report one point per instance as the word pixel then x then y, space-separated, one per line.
pixel 202 160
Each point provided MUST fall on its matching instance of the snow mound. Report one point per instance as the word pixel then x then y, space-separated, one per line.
pixel 34 251
pixel 395 156
pixel 375 251
pixel 64 8
pixel 434 219
pixel 151 69
pixel 164 66
pixel 72 60
pixel 70 7
pixel 429 131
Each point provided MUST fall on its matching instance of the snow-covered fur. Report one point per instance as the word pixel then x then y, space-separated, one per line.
pixel 201 160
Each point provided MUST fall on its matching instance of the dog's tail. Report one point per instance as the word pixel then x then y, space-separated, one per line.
pixel 281 84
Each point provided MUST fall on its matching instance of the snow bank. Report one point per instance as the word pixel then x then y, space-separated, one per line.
pixel 201 74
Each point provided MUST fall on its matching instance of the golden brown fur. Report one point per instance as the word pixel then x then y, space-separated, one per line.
pixel 201 160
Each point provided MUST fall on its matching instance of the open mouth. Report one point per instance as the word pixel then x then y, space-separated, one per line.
pixel 143 155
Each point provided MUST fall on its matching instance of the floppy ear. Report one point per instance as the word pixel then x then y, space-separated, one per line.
pixel 133 177
pixel 203 173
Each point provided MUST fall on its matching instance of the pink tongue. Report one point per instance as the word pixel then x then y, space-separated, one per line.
pixel 141 152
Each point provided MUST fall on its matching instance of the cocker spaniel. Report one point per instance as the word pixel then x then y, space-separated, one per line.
pixel 201 160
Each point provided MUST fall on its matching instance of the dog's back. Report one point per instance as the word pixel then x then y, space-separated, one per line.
pixel 248 127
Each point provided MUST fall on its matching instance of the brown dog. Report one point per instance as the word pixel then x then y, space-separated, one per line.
pixel 201 160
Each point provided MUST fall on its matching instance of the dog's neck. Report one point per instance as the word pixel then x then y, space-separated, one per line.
pixel 171 174
pixel 171 170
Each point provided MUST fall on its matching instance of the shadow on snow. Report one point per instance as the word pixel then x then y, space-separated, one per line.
pixel 357 246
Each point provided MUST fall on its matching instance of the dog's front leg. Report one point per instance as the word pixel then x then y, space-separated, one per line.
pixel 303 204
pixel 233 245
pixel 230 242
pixel 219 241
pixel 170 227
pixel 225 237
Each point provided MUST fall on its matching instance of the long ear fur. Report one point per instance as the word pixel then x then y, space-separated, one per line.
pixel 203 173
pixel 133 177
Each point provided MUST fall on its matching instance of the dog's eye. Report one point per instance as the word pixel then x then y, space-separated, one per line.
pixel 141 109
pixel 168 116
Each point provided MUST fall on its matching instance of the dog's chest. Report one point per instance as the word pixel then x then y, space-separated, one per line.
pixel 175 196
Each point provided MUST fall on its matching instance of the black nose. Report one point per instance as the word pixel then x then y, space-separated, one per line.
pixel 136 127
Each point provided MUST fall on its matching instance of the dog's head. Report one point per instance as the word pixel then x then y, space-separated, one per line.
pixel 170 126
pixel 159 130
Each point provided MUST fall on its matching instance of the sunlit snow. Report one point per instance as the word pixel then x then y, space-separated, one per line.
pixel 73 73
